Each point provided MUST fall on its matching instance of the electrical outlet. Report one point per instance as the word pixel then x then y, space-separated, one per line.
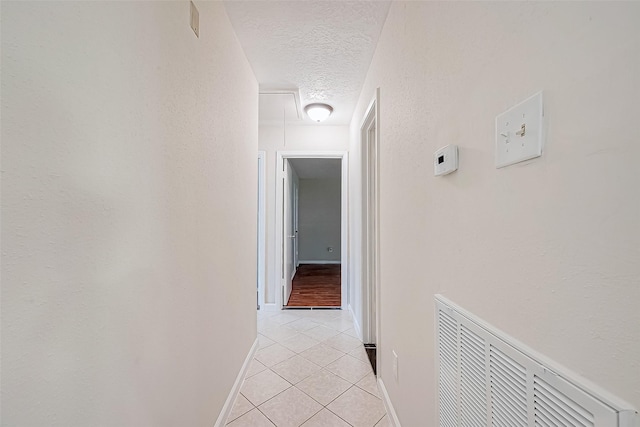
pixel 395 365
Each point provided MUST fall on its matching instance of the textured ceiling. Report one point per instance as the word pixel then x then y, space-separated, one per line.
pixel 322 48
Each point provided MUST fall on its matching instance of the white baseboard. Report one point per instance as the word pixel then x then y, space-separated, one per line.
pixel 391 412
pixel 269 307
pixel 318 262
pixel 228 405
pixel 356 325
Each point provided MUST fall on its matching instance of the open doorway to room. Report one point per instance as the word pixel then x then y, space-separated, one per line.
pixel 311 195
pixel 370 149
pixel 261 228
pixel 316 232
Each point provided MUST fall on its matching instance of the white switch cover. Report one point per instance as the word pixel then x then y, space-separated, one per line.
pixel 519 134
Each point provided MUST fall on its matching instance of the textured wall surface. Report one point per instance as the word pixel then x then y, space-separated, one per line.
pixel 319 219
pixel 292 138
pixel 546 250
pixel 321 47
pixel 128 213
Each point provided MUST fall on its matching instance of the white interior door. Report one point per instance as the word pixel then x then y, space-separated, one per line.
pixel 370 225
pixel 370 235
pixel 288 231
pixel 296 220
pixel 261 229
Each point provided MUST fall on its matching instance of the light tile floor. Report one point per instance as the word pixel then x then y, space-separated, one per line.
pixel 311 370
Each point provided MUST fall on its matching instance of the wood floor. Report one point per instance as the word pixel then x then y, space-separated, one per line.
pixel 316 285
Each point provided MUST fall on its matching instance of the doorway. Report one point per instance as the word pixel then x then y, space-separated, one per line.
pixel 370 150
pixel 261 227
pixel 311 229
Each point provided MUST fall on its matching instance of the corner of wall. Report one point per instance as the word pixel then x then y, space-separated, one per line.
pixel 237 385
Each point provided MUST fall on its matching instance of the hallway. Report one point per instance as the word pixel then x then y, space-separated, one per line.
pixel 310 370
pixel 136 217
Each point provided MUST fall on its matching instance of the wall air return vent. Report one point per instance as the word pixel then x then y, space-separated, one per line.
pixel 486 378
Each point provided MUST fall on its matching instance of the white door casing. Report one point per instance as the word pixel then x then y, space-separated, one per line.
pixel 278 266
pixel 370 223
pixel 261 228
pixel 296 220
pixel 289 231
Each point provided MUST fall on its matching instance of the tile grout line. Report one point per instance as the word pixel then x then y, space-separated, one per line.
pixel 341 331
pixel 351 385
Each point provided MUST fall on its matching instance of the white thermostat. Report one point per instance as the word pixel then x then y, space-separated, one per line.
pixel 445 160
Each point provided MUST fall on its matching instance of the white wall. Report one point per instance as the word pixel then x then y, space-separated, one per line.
pixel 545 250
pixel 272 139
pixel 319 219
pixel 128 213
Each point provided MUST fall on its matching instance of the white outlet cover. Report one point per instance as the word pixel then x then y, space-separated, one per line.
pixel 513 147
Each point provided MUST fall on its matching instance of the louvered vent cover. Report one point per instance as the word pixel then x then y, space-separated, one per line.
pixel 508 390
pixel 554 408
pixel 488 379
pixel 473 411
pixel 448 348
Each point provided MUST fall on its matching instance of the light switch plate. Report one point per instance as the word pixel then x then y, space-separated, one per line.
pixel 519 132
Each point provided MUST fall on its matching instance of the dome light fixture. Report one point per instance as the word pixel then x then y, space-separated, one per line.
pixel 318 111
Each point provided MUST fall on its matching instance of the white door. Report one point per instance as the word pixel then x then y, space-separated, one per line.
pixel 296 238
pixel 261 229
pixel 370 225
pixel 288 231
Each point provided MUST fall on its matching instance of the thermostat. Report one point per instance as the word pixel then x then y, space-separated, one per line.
pixel 445 160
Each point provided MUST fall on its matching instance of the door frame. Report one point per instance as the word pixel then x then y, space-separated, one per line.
pixel 296 224
pixel 289 232
pixel 344 217
pixel 262 226
pixel 370 217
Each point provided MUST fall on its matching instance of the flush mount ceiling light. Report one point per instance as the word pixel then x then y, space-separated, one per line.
pixel 318 112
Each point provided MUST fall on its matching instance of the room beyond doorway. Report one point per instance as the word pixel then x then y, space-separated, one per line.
pixel 306 204
pixel 316 285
